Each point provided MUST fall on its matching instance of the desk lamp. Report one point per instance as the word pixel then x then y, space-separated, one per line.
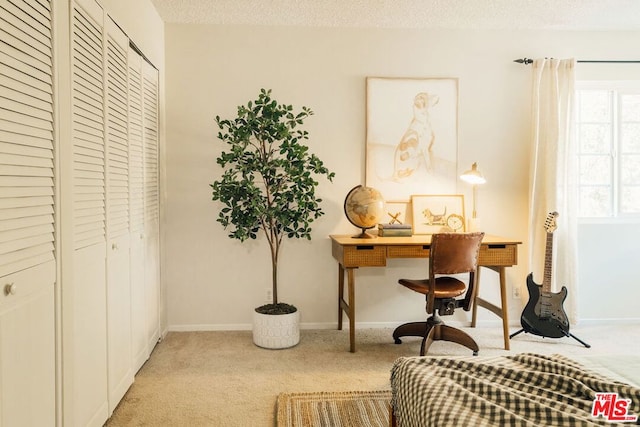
pixel 475 178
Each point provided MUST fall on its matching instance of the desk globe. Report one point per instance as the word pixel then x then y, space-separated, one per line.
pixel 364 208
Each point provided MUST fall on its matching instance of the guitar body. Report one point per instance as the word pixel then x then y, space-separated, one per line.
pixel 544 314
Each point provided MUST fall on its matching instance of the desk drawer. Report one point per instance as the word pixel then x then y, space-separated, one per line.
pixel 409 251
pixel 498 255
pixel 364 256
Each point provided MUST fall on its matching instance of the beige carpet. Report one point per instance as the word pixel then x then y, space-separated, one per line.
pixel 222 379
pixel 334 409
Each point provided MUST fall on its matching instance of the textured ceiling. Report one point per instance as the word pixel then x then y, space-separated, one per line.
pixel 455 14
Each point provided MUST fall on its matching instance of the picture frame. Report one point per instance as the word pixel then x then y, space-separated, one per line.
pixel 411 136
pixel 398 213
pixel 438 213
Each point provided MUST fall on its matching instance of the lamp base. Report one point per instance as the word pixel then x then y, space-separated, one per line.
pixel 473 224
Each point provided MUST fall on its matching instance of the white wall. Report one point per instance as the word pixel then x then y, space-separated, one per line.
pixel 215 282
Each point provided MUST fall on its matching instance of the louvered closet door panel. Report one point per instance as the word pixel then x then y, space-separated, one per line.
pixel 150 132
pixel 27 257
pixel 118 259
pixel 26 137
pixel 88 126
pixel 117 133
pixel 89 336
pixel 151 199
pixel 136 208
pixel 136 155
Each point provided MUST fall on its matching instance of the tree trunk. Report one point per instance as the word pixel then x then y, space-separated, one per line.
pixel 274 273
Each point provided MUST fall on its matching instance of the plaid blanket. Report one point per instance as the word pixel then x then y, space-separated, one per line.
pixel 520 390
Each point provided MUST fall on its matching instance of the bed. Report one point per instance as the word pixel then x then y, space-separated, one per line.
pixel 516 390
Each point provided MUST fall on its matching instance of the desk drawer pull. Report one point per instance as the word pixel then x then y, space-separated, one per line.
pixel 497 246
pixel 364 247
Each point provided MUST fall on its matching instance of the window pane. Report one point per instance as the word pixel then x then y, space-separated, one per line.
pixel 594 106
pixel 595 170
pixel 607 131
pixel 630 138
pixel 630 107
pixel 630 199
pixel 630 170
pixel 595 138
pixel 595 201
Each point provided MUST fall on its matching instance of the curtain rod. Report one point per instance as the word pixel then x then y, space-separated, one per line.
pixel 527 61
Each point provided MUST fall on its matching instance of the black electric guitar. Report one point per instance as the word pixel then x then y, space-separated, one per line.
pixel 544 315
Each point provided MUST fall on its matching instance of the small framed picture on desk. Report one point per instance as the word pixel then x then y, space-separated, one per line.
pixel 438 213
pixel 397 213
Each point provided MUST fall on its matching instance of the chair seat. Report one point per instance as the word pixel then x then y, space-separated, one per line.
pixel 446 287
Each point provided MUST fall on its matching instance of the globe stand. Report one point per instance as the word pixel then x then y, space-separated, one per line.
pixel 364 235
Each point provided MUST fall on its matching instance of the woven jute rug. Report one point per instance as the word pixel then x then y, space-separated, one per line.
pixel 334 409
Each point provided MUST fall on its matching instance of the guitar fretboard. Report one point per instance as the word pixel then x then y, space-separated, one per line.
pixel 548 263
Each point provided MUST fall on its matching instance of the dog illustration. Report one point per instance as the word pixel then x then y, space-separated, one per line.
pixel 416 146
pixel 435 219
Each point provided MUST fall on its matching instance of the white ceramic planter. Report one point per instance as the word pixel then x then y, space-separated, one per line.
pixel 276 330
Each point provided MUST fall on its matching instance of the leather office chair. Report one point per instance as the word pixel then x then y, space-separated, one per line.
pixel 450 253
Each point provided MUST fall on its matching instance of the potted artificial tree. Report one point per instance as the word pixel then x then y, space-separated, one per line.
pixel 268 185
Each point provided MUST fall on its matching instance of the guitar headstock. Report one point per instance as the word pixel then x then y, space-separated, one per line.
pixel 550 223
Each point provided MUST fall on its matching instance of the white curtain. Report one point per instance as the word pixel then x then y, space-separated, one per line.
pixel 553 175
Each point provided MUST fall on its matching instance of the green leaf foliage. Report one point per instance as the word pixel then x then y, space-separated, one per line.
pixel 269 176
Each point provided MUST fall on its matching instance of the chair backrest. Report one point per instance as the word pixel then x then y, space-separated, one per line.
pixel 453 253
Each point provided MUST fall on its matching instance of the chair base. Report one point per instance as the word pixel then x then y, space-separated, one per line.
pixel 432 330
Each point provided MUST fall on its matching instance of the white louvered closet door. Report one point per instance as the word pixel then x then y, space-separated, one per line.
pixel 118 258
pixel 90 401
pixel 150 125
pixel 136 214
pixel 27 251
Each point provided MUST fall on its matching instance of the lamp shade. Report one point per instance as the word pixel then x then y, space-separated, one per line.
pixel 473 176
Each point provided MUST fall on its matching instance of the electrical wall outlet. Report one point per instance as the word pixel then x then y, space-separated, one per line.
pixel 516 292
pixel 268 296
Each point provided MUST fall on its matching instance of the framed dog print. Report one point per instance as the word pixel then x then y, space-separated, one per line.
pixel 411 141
pixel 438 213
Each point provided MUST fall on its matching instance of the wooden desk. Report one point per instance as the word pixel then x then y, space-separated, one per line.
pixel 496 253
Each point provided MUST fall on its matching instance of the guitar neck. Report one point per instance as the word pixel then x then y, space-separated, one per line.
pixel 548 263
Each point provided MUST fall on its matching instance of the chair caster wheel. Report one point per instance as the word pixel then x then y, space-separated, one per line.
pixel 397 340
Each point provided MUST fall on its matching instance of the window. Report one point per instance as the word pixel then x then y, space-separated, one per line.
pixel 608 148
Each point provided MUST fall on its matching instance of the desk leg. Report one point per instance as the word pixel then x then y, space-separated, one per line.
pixel 505 311
pixel 348 307
pixel 474 311
pixel 502 312
pixel 352 309
pixel 340 294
